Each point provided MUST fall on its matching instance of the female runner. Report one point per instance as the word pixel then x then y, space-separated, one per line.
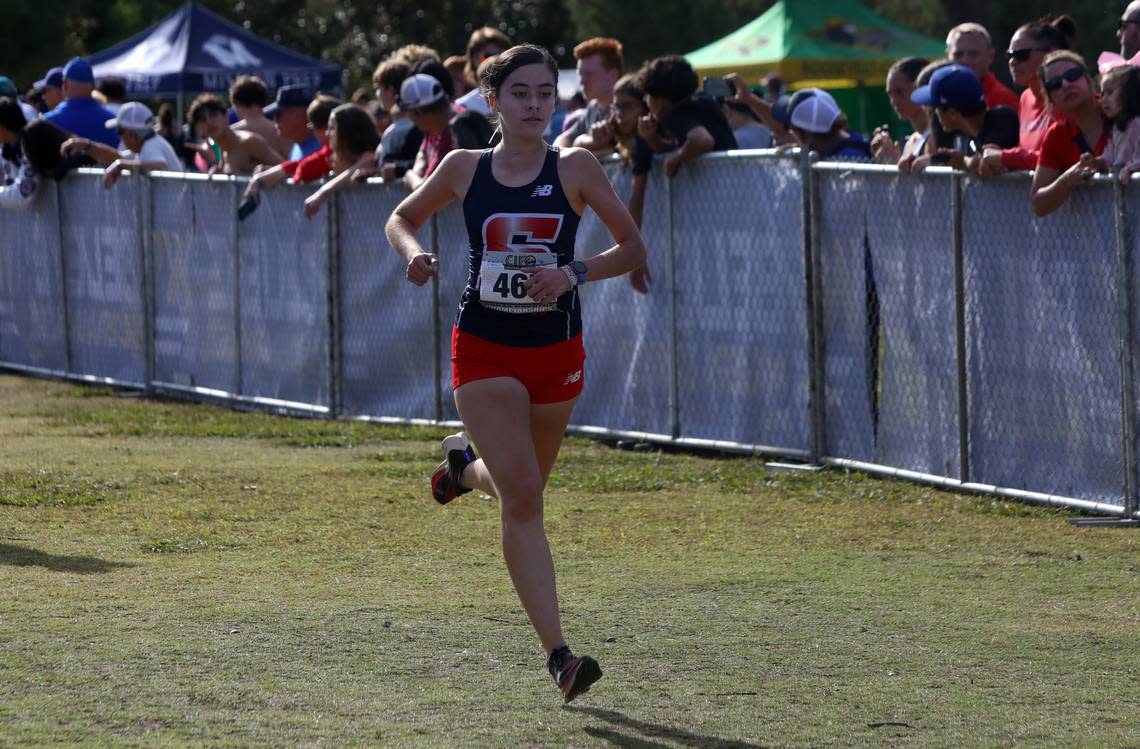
pixel 516 348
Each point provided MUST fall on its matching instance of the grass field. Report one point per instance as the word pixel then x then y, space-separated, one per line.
pixel 180 574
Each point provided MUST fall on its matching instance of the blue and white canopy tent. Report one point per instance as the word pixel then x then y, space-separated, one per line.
pixel 196 50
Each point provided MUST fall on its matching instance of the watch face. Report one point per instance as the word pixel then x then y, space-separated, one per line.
pixel 579 267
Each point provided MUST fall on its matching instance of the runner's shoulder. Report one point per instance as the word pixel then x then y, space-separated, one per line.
pixel 459 164
pixel 575 162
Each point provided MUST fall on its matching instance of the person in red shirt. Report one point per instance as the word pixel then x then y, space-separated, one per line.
pixel 314 166
pixel 969 44
pixel 1071 146
pixel 1027 50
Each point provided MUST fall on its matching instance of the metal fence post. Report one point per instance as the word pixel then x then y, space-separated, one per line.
pixel 436 320
pixel 1128 397
pixel 813 286
pixel 145 204
pixel 960 327
pixel 332 244
pixel 63 277
pixel 670 270
pixel 236 249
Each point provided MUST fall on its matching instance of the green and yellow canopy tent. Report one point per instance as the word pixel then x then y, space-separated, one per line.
pixel 837 45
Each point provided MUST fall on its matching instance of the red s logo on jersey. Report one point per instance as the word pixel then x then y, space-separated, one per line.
pixel 513 232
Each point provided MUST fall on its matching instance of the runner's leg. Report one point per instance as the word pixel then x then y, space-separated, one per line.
pixel 497 414
pixel 548 426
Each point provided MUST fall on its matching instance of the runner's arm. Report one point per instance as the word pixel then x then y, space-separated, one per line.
pixel 436 192
pixel 628 252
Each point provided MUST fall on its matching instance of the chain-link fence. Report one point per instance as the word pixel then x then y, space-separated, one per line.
pixel 102 235
pixel 1043 345
pixel 930 327
pixel 387 330
pixel 33 311
pixel 195 274
pixel 886 253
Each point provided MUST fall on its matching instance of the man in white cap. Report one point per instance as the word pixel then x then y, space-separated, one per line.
pixel 819 124
pixel 145 148
pixel 423 97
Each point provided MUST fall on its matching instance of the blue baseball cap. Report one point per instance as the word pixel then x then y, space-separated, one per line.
pixel 79 71
pixel 954 86
pixel 7 88
pixel 54 78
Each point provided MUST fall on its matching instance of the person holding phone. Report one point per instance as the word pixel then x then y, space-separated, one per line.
pixel 959 103
pixel 682 120
pixel 517 354
pixel 745 123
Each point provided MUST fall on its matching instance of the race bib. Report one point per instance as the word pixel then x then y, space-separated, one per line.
pixel 502 276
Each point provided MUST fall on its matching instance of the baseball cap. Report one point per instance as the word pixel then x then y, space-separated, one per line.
pixel 953 86
pixel 420 90
pixel 782 109
pixel 7 88
pixel 78 70
pixel 133 116
pixel 54 77
pixel 816 113
pixel 289 96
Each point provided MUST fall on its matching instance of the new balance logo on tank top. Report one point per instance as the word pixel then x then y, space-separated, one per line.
pixel 512 230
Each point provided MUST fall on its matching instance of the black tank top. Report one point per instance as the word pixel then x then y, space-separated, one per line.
pixel 537 226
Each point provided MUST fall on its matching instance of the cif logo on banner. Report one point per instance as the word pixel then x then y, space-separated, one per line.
pixel 230 52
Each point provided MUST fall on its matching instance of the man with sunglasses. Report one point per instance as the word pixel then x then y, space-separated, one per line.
pixel 1129 31
pixel 970 45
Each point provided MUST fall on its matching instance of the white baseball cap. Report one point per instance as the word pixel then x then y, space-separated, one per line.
pixel 133 116
pixel 420 90
pixel 817 113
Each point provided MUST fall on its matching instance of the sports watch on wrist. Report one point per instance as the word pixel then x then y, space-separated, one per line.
pixel 580 268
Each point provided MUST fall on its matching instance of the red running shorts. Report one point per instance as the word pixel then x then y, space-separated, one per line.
pixel 550 374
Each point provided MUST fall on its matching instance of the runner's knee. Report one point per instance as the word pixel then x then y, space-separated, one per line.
pixel 521 496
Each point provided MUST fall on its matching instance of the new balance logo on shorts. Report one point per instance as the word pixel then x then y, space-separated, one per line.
pixel 542 191
pixel 573 377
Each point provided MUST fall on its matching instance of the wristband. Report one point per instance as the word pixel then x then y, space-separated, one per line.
pixel 571 276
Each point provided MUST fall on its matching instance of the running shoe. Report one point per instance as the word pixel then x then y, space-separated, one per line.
pixel 574 675
pixel 458 454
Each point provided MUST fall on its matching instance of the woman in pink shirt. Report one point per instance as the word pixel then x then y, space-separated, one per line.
pixel 1027 49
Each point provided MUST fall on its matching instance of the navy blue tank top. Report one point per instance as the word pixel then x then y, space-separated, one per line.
pixel 512 228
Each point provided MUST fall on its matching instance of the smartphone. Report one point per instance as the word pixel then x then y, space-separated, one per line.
pixel 719 88
pixel 248 206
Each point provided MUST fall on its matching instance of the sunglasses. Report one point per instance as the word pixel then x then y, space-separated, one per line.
pixel 1072 75
pixel 1021 55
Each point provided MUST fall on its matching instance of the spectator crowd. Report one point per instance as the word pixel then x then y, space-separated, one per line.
pixel 1068 122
